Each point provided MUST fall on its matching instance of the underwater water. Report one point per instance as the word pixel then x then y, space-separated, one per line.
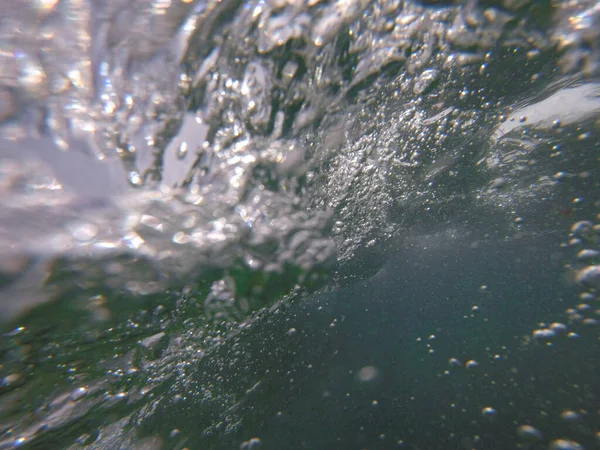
pixel 299 224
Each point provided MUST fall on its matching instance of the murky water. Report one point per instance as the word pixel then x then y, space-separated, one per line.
pixel 290 224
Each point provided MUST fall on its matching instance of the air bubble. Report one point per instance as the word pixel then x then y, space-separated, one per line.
pixel 471 364
pixel 586 296
pixel 182 150
pixel 583 229
pixel 589 277
pixel 498 183
pixel 84 232
pixel 586 254
pixel 570 416
pixel 251 444
pixel 367 373
pixel 529 434
pixel 488 411
pixel 134 178
pixel 564 444
pixel 543 334
pixel 10 380
pixel 558 328
pixel 454 362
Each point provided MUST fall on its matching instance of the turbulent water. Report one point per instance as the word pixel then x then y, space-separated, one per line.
pixel 184 184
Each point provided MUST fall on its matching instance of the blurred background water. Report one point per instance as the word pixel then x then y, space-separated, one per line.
pixel 299 224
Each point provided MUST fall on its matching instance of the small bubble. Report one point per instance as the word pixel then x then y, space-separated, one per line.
pixel 182 150
pixel 134 178
pixel 587 254
pixel 471 364
pixel 84 232
pixel 575 318
pixel 498 183
pixel 367 373
pixel 251 444
pixel 558 328
pixel 78 393
pixel 255 442
pixel 583 228
pixel 454 362
pixel 560 175
pixel 564 444
pixel 181 238
pixel 569 415
pixel 529 433
pixel 589 277
pixel 10 379
pixel 488 411
pixel 292 332
pixel 543 334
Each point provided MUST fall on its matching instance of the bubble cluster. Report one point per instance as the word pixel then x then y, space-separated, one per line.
pixel 257 146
